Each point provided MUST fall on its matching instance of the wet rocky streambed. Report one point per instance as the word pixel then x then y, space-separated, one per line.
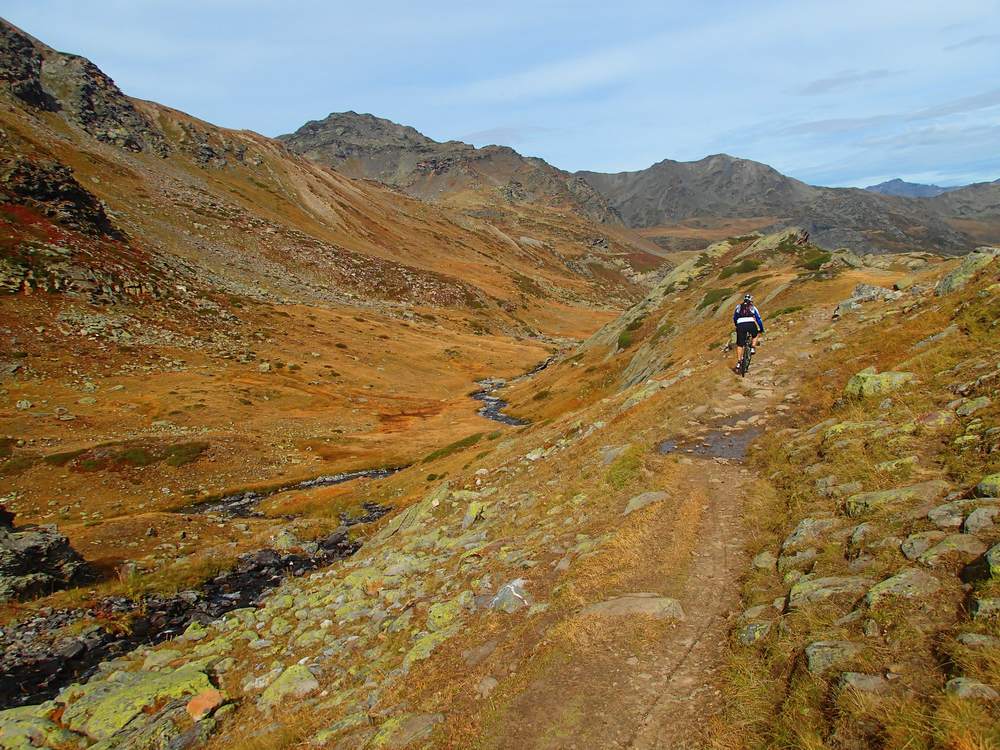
pixel 46 652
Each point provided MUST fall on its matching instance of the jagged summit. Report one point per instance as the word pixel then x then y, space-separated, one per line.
pixel 905 189
pixel 362 145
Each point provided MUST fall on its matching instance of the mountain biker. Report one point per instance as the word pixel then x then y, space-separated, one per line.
pixel 748 324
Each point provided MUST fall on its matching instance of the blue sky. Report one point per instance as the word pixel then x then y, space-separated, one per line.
pixel 835 93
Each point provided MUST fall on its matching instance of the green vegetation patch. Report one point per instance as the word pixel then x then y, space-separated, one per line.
pixel 715 296
pixel 814 258
pixel 131 456
pixel 7 446
pixel 542 395
pixel 458 445
pixel 625 339
pixel 184 453
pixel 625 468
pixel 785 311
pixel 16 465
pixel 747 265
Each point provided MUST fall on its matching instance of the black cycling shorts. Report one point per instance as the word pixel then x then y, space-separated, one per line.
pixel 745 331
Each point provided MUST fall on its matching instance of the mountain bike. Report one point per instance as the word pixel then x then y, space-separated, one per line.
pixel 745 361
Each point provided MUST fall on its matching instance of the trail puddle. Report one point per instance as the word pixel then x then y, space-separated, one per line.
pixel 728 439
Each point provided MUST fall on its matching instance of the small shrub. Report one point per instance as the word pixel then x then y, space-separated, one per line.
pixel 61 459
pixel 458 445
pixel 714 296
pixel 137 457
pixel 541 395
pixel 747 265
pixel 185 453
pixel 624 340
pixel 340 345
pixel 625 467
pixel 785 311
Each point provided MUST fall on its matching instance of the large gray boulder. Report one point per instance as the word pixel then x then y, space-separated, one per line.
pixel 35 560
pixel 971 265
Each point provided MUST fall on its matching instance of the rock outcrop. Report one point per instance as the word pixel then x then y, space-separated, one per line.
pixel 36 560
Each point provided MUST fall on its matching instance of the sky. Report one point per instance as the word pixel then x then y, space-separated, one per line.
pixel 852 92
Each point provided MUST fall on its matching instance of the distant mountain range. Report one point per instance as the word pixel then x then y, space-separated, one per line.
pixel 678 205
pixel 905 189
pixel 362 145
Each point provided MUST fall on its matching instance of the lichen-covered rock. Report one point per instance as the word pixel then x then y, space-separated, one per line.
pixel 808 531
pixel 909 583
pixel 102 708
pixel 962 547
pixel 30 727
pixel 952 515
pixel 864 683
pixel 971 265
pixel 989 486
pixel 36 560
pixel 868 383
pixel 823 655
pixel 972 405
pixel 987 566
pixel 867 502
pixel 294 682
pixel 402 731
pixel 753 632
pixel 985 607
pixel 817 590
pixel 647 604
pixel 964 687
pixel 511 597
pixel 641 501
pixel 916 544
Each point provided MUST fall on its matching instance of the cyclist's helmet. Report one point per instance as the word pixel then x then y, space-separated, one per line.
pixel 748 298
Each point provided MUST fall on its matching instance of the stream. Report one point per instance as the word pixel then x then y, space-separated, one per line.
pixel 493 406
pixel 38 659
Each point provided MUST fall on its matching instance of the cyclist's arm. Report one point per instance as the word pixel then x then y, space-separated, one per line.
pixel 760 323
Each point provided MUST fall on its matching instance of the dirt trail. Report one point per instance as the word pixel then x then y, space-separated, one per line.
pixel 666 698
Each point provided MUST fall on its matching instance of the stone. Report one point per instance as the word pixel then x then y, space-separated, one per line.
pixel 963 547
pixel 610 453
pixel 866 502
pixel 644 603
pixel 203 704
pixel 764 561
pixel 964 687
pixel 864 683
pixel 402 731
pixel 823 655
pixel 808 531
pixel 986 567
pixel 798 560
pixel 753 632
pixel 424 647
pixel 641 501
pixel 36 560
pixel 294 682
pixel 978 640
pixel 101 708
pixel 511 597
pixel 868 383
pixel 916 544
pixel 989 486
pixel 985 607
pixel 973 405
pixel 909 583
pixel 817 590
pixel 937 420
pixel 486 686
pixel 951 515
pixel 980 519
pixel 971 264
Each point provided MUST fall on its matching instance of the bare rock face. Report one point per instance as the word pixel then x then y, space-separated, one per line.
pixel 36 560
pixel 51 189
pixel 73 86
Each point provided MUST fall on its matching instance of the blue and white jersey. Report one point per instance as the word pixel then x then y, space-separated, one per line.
pixel 754 317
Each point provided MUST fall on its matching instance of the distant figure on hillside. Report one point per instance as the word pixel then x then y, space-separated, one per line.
pixel 749 327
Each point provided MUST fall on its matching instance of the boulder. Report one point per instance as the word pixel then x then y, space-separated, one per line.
pixel 985 607
pixel 102 708
pixel 753 632
pixel 971 265
pixel 402 731
pixel 294 682
pixel 823 655
pixel 952 515
pixel 641 501
pixel 870 383
pixel 818 590
pixel 989 486
pixel 916 544
pixel 864 683
pixel 652 605
pixel 511 597
pixel 909 583
pixel 808 531
pixel 963 547
pixel 964 687
pixel 986 567
pixel 972 405
pixel 866 502
pixel 35 560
